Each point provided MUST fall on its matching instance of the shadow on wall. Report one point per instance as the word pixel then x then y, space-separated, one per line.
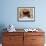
pixel 2 26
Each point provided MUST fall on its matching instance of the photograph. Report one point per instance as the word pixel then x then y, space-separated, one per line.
pixel 26 13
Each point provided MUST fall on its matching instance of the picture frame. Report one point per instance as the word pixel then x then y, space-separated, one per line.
pixel 26 14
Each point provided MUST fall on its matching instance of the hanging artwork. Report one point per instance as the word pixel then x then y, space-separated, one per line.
pixel 26 13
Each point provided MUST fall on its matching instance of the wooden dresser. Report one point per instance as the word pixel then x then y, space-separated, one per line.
pixel 23 39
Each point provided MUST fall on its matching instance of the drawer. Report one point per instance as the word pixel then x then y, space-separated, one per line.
pixel 37 44
pixel 8 44
pixel 12 39
pixel 34 33
pixel 37 39
pixel 13 33
pixel 12 44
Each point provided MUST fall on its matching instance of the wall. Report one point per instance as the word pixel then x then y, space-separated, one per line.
pixel 8 13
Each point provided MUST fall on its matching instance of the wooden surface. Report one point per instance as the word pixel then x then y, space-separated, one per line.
pixel 13 39
pixel 23 39
pixel 34 39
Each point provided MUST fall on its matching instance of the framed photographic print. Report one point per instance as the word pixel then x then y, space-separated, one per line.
pixel 26 13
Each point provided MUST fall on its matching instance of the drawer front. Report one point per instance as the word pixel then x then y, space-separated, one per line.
pixel 13 33
pixel 10 39
pixel 37 44
pixel 37 39
pixel 34 33
pixel 12 45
